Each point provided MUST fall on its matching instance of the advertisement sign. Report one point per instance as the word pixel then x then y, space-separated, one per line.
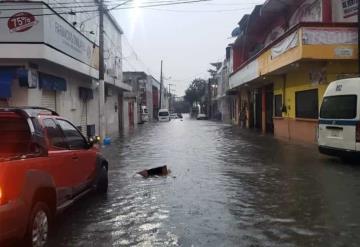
pixel 344 10
pixel 349 8
pixel 21 22
pixel 246 74
pixel 329 36
pixel 39 24
pixel 288 43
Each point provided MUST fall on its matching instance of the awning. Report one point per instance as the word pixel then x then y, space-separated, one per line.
pixel 7 75
pixel 86 94
pixel 52 83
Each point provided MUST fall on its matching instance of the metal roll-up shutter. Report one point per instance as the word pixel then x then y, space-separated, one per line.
pixel 48 99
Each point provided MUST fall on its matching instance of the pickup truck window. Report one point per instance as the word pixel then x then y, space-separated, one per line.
pixel 15 135
pixel 54 135
pixel 73 137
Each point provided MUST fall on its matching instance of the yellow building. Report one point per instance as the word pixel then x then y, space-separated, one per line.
pixel 281 87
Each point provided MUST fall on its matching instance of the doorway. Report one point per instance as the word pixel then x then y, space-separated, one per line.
pixel 269 97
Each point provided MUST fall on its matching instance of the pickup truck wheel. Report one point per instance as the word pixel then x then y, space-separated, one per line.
pixel 38 228
pixel 102 184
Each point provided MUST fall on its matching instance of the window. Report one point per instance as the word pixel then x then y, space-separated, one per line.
pixel 54 134
pixel 278 105
pixel 163 114
pixel 339 107
pixel 73 137
pixel 307 105
pixel 15 135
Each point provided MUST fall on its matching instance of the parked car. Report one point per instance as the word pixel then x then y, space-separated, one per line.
pixel 164 115
pixel 201 116
pixel 173 116
pixel 339 126
pixel 144 114
pixel 46 164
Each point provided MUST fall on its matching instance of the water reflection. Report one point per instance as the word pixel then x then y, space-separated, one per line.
pixel 228 187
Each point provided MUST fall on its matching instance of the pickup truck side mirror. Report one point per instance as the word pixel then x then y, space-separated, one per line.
pixel 93 140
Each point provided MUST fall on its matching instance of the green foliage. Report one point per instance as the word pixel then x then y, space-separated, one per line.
pixel 196 91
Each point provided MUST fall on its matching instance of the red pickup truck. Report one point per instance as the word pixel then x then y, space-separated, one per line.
pixel 45 165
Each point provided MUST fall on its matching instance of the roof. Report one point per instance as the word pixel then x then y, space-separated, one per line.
pixel 29 111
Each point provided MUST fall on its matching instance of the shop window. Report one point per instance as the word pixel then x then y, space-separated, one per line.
pixel 307 105
pixel 278 105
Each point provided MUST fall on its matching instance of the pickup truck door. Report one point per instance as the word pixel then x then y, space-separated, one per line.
pixel 60 163
pixel 84 158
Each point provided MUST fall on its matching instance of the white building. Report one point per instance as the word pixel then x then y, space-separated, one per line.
pixel 50 58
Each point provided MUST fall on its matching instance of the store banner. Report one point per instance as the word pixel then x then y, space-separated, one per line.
pixel 349 8
pixel 330 36
pixel 37 23
pixel 288 43
pixel 344 10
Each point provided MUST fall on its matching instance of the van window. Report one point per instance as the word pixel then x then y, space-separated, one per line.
pixel 163 114
pixel 339 107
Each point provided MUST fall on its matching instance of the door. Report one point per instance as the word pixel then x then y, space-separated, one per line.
pixel 60 164
pixel 131 114
pixel 48 99
pixel 83 157
pixel 120 112
pixel 258 110
pixel 269 97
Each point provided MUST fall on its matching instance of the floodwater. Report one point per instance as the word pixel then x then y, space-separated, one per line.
pixel 227 187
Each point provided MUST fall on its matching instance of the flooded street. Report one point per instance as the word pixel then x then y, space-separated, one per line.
pixel 227 187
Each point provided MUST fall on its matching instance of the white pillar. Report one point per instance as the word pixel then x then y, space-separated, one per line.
pixel 102 111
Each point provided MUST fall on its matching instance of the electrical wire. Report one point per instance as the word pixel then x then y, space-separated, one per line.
pixel 92 11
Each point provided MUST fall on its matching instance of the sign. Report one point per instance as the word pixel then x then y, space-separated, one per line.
pixel 331 36
pixel 41 25
pixel 286 44
pixel 33 78
pixel 21 22
pixel 344 52
pixel 344 10
pixel 349 8
pixel 246 74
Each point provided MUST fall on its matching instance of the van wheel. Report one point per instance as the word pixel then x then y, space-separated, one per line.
pixel 39 225
pixel 102 184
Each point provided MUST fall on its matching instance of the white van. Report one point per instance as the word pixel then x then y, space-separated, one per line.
pixel 339 122
pixel 164 115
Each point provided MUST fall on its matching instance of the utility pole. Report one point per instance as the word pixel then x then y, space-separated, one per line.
pixel 161 83
pixel 170 95
pixel 102 114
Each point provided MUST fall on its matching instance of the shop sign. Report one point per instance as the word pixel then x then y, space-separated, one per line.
pixel 331 36
pixel 349 8
pixel 39 24
pixel 21 22
pixel 288 43
pixel 246 74
pixel 344 52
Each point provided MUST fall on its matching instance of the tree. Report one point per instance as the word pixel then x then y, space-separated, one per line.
pixel 196 91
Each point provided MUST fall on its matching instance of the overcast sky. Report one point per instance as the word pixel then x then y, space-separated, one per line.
pixel 187 38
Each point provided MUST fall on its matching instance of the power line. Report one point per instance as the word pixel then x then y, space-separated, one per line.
pixel 92 11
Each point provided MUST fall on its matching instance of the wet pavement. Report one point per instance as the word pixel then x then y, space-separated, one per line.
pixel 228 187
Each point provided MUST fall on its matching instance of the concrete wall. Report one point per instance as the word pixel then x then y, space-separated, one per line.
pixel 68 103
